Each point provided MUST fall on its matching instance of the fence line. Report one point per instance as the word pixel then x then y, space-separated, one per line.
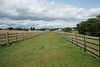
pixel 7 38
pixel 86 43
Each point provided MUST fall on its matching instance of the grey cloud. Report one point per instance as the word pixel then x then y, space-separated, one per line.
pixel 42 14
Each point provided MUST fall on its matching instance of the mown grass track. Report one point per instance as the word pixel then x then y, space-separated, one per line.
pixel 46 50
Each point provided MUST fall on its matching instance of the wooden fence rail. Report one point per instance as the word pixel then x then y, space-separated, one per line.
pixel 88 44
pixel 7 38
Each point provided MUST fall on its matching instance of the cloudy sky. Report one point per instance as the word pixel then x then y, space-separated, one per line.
pixel 46 13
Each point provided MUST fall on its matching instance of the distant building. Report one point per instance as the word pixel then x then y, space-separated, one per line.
pixel 29 29
pixel 36 30
pixel 58 30
pixel 72 29
pixel 46 30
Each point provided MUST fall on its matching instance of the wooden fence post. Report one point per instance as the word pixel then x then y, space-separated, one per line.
pixel 76 40
pixel 31 34
pixel 16 38
pixel 7 39
pixel 22 36
pixel 85 43
pixel 99 47
pixel 66 36
pixel 27 35
pixel 72 39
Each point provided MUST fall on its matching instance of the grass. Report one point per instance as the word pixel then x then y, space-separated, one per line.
pixel 75 32
pixel 46 50
pixel 89 40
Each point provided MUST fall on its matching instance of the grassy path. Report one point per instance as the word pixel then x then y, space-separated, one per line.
pixel 46 50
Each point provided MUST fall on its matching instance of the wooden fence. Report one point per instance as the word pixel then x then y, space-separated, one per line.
pixel 88 44
pixel 7 38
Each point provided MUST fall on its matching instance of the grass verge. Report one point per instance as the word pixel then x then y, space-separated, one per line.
pixel 46 50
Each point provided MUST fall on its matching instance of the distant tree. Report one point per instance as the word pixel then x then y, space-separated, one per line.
pixel 67 29
pixel 10 28
pixel 37 29
pixel 32 28
pixel 25 29
pixel 43 29
pixel 18 28
pixel 75 28
pixel 0 28
pixel 98 17
pixel 52 29
pixel 89 27
pixel 82 27
pixel 97 25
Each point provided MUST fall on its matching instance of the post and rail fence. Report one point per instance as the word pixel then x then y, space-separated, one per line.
pixel 88 44
pixel 7 38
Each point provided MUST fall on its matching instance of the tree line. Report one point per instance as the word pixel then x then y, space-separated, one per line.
pixel 90 27
pixel 66 29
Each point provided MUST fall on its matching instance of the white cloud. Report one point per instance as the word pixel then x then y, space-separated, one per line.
pixel 52 2
pixel 41 13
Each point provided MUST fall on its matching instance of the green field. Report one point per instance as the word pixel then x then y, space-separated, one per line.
pixel 46 50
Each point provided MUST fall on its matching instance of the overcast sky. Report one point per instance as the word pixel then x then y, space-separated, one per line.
pixel 46 13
